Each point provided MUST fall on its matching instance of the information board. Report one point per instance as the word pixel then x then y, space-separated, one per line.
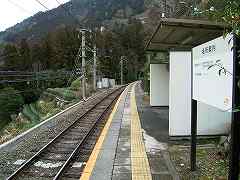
pixel 213 73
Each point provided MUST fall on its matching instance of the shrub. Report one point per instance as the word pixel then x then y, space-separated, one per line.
pixel 11 102
pixel 66 94
pixel 76 85
pixel 27 112
pixel 46 106
pixel 30 97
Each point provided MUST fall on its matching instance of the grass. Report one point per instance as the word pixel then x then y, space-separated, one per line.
pixel 209 165
pixel 32 115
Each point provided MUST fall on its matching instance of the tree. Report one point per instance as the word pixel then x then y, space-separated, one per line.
pixel 132 40
pixel 37 57
pixel 24 53
pixel 11 102
pixel 110 51
pixel 11 57
pixel 227 11
pixel 122 40
pixel 48 53
pixel 66 44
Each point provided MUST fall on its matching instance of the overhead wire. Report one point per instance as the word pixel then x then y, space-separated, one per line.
pixel 61 5
pixel 39 2
pixel 19 6
pixel 33 79
pixel 75 72
pixel 76 68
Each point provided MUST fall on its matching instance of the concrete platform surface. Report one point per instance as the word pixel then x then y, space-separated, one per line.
pixel 133 143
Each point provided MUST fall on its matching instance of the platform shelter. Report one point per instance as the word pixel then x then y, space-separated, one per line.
pixel 169 51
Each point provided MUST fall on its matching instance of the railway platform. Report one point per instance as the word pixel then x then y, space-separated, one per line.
pixel 130 146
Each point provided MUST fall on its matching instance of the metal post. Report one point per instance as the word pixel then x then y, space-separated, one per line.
pixel 121 70
pixel 234 156
pixel 193 125
pixel 95 68
pixel 235 131
pixel 83 64
pixel 193 135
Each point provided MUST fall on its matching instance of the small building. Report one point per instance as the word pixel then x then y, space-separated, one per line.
pixel 169 53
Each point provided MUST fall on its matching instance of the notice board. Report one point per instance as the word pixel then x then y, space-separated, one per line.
pixel 213 73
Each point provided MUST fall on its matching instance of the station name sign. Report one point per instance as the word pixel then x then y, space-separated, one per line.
pixel 213 73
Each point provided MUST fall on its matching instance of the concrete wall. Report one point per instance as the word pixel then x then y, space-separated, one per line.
pixel 211 121
pixel 159 85
pixel 180 94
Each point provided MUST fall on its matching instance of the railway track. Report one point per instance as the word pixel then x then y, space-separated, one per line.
pixel 64 156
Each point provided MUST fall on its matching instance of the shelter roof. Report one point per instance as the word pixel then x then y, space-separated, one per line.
pixel 183 34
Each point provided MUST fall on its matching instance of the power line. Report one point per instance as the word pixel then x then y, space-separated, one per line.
pixel 19 7
pixel 39 2
pixel 76 68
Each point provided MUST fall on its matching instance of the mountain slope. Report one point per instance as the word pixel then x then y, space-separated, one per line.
pixel 89 13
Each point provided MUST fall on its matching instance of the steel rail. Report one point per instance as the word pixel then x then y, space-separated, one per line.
pixel 69 160
pixel 34 157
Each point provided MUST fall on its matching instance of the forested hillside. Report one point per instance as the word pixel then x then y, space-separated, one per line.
pixel 85 13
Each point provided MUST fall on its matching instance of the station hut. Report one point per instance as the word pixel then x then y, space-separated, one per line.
pixel 169 52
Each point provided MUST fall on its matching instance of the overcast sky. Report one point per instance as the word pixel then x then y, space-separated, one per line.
pixel 15 11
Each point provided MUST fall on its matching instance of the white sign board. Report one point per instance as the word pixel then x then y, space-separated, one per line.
pixel 213 73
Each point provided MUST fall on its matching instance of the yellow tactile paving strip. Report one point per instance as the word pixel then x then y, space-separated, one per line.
pixel 139 160
pixel 93 158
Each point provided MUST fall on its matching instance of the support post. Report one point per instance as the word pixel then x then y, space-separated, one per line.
pixel 95 68
pixel 235 149
pixel 193 135
pixel 83 64
pixel 193 154
pixel 235 130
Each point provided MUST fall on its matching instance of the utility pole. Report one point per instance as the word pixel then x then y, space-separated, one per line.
pixel 121 62
pixel 84 49
pixel 83 63
pixel 95 68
